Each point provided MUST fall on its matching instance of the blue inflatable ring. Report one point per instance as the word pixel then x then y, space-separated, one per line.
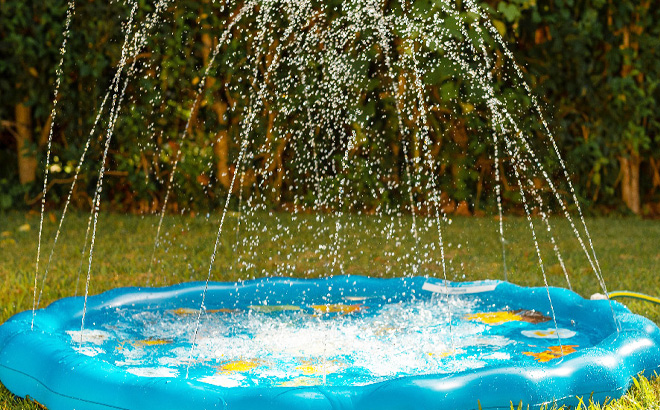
pixel 52 367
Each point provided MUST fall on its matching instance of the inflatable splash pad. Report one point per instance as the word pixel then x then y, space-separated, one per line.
pixel 344 342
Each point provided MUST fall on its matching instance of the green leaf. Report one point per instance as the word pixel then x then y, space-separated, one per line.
pixel 510 11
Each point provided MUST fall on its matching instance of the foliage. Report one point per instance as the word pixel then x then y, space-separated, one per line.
pixel 597 64
pixel 593 64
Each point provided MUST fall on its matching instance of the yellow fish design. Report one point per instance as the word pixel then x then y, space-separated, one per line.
pixel 150 342
pixel 183 311
pixel 273 308
pixel 189 311
pixel 223 310
pixel 441 355
pixel 553 352
pixel 310 368
pixel 339 308
pixel 239 366
pixel 494 318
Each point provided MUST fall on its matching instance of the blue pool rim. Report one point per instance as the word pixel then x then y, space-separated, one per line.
pixel 35 364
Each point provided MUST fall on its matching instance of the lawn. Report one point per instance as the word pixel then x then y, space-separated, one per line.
pixel 307 245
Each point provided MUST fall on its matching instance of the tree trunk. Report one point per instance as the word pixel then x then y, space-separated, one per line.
pixel 221 149
pixel 630 181
pixel 221 144
pixel 27 160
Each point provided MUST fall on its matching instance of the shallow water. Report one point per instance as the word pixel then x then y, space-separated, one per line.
pixel 344 342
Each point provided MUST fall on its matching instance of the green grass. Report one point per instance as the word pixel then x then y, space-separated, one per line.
pixel 304 245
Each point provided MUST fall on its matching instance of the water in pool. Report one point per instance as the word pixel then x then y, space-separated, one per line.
pixel 342 342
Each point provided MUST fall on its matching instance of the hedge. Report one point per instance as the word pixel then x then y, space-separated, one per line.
pixel 593 65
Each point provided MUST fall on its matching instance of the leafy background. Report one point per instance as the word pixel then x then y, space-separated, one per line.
pixel 593 64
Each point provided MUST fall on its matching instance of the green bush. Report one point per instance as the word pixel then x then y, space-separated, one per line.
pixel 594 66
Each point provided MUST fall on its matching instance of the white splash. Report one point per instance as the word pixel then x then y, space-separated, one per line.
pixel 153 371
